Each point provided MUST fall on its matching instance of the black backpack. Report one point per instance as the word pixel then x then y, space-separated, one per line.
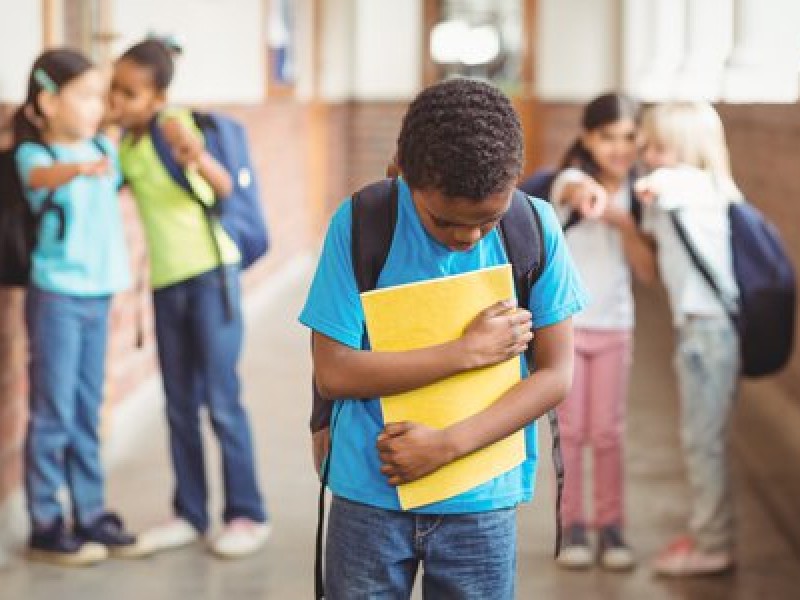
pixel 19 223
pixel 374 216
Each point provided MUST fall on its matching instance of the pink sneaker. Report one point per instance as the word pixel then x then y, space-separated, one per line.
pixel 682 558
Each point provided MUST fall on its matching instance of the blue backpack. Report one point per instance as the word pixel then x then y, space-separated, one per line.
pixel 241 214
pixel 765 315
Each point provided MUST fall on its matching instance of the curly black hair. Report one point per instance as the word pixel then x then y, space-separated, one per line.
pixel 461 137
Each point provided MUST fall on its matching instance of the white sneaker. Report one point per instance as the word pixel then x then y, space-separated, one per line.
pixel 240 537
pixel 614 552
pixel 176 533
pixel 575 552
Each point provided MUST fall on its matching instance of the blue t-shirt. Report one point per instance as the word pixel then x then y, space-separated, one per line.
pixel 92 259
pixel 334 309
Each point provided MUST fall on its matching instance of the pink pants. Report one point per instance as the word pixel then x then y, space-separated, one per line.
pixel 593 414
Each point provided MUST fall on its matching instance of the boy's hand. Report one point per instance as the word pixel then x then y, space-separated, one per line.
pixel 186 147
pixel 409 451
pixel 320 446
pixel 95 168
pixel 500 332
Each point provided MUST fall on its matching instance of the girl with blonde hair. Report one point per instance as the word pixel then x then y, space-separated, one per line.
pixel 687 195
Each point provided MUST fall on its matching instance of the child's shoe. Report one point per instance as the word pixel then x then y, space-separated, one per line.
pixel 575 552
pixel 614 554
pixel 682 558
pixel 240 537
pixel 108 530
pixel 173 534
pixel 58 546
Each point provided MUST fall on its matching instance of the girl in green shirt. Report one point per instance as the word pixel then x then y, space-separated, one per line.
pixel 197 301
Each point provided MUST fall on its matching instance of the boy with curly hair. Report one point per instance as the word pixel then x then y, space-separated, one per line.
pixel 459 155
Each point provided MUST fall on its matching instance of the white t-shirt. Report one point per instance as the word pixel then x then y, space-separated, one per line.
pixel 703 211
pixel 597 250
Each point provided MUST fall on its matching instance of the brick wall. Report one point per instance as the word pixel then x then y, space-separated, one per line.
pixel 13 413
pixel 561 123
pixel 278 135
pixel 764 140
pixel 373 137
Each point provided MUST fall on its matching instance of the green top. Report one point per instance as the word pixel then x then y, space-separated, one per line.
pixel 178 236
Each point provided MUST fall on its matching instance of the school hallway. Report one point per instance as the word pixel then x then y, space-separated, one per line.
pixel 276 378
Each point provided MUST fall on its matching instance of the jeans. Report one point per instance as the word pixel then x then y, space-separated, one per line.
pixel 67 344
pixel 199 345
pixel 593 415
pixel 707 362
pixel 374 554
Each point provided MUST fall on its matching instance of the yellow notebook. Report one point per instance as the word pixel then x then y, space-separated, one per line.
pixel 419 315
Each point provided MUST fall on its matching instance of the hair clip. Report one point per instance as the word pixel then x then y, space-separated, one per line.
pixel 44 80
pixel 167 39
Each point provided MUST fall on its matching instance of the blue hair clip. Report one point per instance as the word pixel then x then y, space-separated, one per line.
pixel 169 40
pixel 44 80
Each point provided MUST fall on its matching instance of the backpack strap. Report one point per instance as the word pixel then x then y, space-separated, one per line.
pixel 523 237
pixel 374 216
pixel 49 204
pixel 373 220
pixel 374 210
pixel 178 175
pixel 704 268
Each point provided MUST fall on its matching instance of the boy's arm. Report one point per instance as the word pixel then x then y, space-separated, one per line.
pixel 409 451
pixel 497 334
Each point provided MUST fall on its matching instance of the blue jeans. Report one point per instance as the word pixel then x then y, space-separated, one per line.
pixel 707 363
pixel 67 344
pixel 199 346
pixel 374 554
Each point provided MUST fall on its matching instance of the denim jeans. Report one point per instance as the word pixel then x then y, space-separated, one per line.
pixel 707 362
pixel 199 345
pixel 67 345
pixel 374 554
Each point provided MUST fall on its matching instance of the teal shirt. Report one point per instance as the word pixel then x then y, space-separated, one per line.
pixel 92 259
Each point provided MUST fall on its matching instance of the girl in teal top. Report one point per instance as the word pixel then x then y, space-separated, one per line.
pixel 70 176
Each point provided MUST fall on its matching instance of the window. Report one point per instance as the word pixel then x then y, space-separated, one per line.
pixel 281 46
pixel 478 38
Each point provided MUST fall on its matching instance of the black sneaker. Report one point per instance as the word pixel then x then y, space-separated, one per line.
pixel 58 546
pixel 575 552
pixel 108 530
pixel 614 554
